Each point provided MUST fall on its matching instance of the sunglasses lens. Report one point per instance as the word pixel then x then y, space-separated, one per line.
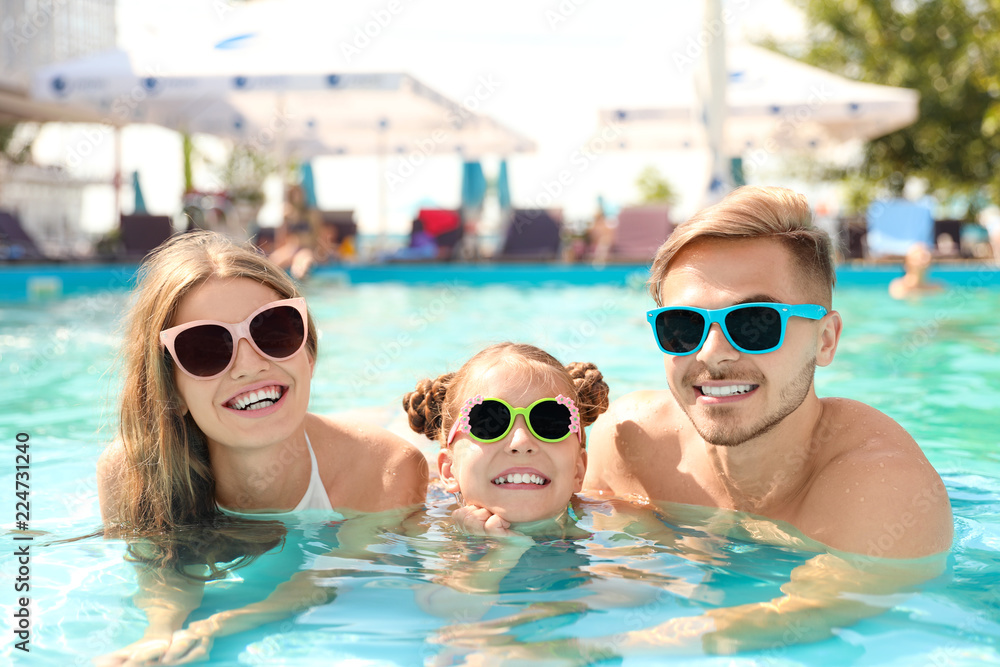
pixel 204 350
pixel 488 420
pixel 679 331
pixel 755 328
pixel 550 420
pixel 278 332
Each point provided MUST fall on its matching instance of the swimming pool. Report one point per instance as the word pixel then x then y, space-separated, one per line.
pixel 932 365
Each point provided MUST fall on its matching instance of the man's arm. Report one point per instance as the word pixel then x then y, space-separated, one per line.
pixel 881 505
pixel 878 495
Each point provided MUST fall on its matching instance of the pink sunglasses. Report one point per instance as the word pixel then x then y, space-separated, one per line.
pixel 205 349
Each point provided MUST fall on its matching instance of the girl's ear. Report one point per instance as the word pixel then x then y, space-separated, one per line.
pixel 448 471
pixel 580 472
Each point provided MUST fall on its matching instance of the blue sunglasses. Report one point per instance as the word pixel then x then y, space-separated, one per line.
pixel 752 328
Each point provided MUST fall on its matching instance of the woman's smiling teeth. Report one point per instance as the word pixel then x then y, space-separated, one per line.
pixel 256 400
pixel 728 390
pixel 520 478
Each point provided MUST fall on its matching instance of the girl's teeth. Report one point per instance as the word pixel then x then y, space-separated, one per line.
pixel 519 478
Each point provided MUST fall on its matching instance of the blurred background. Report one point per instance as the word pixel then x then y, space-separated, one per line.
pixel 441 130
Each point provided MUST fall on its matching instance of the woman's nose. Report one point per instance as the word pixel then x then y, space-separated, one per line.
pixel 248 360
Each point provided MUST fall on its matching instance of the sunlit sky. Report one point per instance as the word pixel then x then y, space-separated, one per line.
pixel 553 66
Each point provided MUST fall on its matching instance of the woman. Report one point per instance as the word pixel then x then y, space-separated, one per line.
pixel 218 357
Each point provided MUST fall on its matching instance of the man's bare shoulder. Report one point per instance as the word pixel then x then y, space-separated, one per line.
pixel 635 432
pixel 633 419
pixel 873 490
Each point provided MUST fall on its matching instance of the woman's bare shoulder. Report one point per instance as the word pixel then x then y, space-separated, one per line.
pixel 391 471
pixel 110 467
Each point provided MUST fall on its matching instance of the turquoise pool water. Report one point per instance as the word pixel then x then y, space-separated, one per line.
pixel 932 365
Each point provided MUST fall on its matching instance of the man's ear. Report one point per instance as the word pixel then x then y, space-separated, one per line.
pixel 829 336
pixel 446 469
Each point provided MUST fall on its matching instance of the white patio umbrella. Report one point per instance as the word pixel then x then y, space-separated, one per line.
pixel 772 103
pixel 247 94
pixel 248 88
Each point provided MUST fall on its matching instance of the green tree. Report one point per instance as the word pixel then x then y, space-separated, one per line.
pixel 244 173
pixel 15 144
pixel 949 51
pixel 654 188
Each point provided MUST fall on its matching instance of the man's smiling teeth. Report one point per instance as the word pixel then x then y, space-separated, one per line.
pixel 728 390
pixel 256 400
pixel 520 478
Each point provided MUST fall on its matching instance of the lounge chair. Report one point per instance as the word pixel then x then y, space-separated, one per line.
pixel 15 243
pixel 445 226
pixel 640 233
pixel 532 234
pixel 141 233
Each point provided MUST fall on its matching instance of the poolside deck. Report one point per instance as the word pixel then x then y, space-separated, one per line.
pixel 32 282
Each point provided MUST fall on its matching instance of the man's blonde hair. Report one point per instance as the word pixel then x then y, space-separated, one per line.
pixel 753 212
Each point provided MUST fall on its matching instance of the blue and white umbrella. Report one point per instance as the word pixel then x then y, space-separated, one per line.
pixel 308 184
pixel 503 187
pixel 473 189
pixel 140 201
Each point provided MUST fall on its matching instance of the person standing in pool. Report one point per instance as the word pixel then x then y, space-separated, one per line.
pixel 744 316
pixel 915 281
pixel 213 418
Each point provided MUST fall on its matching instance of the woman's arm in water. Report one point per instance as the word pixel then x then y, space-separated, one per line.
pixel 167 598
pixel 304 589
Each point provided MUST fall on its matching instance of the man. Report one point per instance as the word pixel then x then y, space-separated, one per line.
pixel 745 290
pixel 741 427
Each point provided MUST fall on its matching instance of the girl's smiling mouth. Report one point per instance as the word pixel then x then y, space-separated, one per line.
pixel 522 479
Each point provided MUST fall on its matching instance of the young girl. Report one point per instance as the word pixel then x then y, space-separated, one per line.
pixel 218 358
pixel 510 424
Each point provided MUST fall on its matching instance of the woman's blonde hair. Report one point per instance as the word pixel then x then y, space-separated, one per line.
pixel 757 212
pixel 166 477
pixel 434 405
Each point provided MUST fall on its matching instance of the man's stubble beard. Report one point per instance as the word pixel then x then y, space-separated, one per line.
pixel 728 433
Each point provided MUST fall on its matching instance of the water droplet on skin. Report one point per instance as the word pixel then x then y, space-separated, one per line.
pixel 881 465
pixel 862 499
